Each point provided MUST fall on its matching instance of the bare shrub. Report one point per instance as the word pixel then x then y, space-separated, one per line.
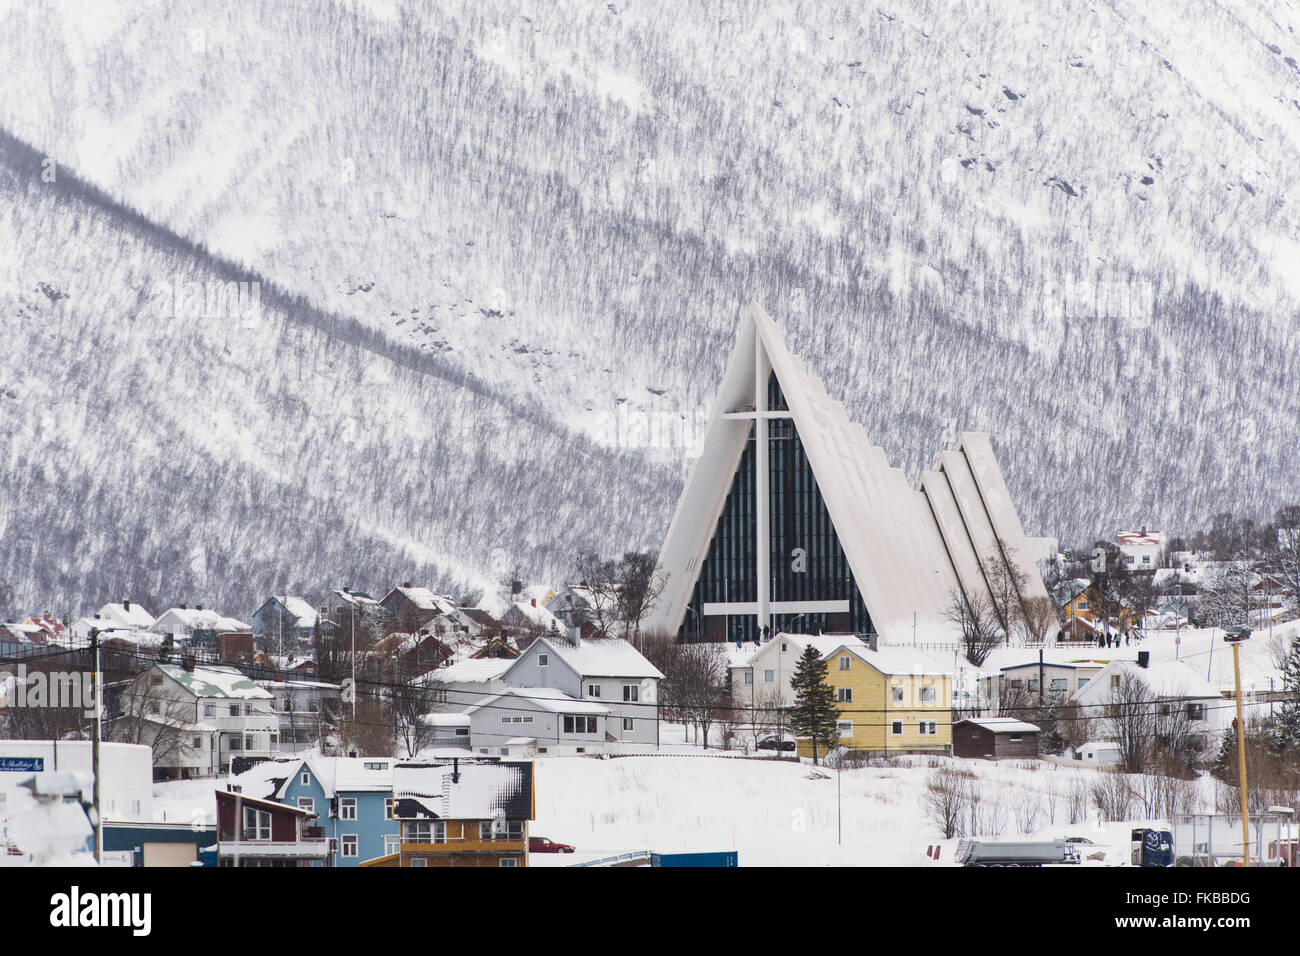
pixel 1112 796
pixel 947 796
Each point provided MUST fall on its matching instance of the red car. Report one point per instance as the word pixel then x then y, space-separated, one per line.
pixel 543 845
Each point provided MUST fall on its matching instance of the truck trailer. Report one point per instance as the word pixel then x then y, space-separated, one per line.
pixel 991 853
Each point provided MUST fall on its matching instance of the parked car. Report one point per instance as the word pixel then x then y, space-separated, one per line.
pixel 540 844
pixel 772 743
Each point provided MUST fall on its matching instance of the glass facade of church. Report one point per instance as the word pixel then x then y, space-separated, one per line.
pixel 807 562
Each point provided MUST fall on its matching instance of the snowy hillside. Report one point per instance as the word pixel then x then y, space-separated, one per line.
pixel 1071 226
pixel 215 457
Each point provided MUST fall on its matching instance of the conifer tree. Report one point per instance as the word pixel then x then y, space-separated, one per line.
pixel 814 713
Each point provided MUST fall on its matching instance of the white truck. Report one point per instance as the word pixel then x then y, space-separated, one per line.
pixel 997 853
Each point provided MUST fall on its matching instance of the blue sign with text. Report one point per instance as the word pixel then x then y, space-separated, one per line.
pixel 22 764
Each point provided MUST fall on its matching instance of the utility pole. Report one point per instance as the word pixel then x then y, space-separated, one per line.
pixel 1235 635
pixel 98 822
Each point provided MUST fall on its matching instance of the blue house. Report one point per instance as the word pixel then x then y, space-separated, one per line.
pixel 352 798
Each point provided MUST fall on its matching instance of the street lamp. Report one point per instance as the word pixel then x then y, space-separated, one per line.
pixel 1234 636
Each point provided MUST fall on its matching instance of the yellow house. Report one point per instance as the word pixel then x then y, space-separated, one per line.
pixel 891 700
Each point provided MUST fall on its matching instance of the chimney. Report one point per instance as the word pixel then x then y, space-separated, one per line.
pixel 1144 658
pixel 126 605
pixel 188 663
pixel 406 584
pixel 873 641
pixel 455 770
pixel 534 600
pixel 198 607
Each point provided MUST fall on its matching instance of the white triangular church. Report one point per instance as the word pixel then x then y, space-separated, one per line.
pixel 844 542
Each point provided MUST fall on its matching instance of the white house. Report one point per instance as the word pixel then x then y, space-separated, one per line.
pixel 208 716
pixel 185 623
pixel 771 665
pixel 526 721
pixel 1142 550
pixel 1175 691
pixel 128 614
pixel 609 671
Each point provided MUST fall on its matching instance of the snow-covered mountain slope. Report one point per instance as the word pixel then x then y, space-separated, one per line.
pixel 213 454
pixel 1072 226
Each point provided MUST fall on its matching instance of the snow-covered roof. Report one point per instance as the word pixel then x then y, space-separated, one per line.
pixel 897 661
pixel 603 657
pixel 480 792
pixel 1002 725
pixel 345 774
pixel 535 614
pixel 470 671
pixel 134 616
pixel 545 698
pixel 301 611
pixel 425 599
pixel 1171 679
pixel 215 682
pixel 443 719
pixel 194 619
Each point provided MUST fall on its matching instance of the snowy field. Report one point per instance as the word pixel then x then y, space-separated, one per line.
pixel 775 813
pixel 783 813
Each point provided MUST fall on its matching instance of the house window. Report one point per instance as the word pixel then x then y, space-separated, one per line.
pixel 1195 711
pixel 896 694
pixel 1033 684
pixel 628 723
pixel 749 678
pixel 928 695
pixel 1082 605
pixel 1114 680
pixel 197 744
pixel 234 710
pixel 348 808
pixel 348 845
pixel 155 707
pixel 307 803
pixel 1060 683
pixel 631 692
pixel 896 728
pixel 306 778
pixel 313 706
pixel 928 728
pixel 209 710
pixel 374 765
pixel 235 743
pixel 783 647
pixel 509 861
pixel 513 830
pixel 579 724
pixel 1082 681
pixel 593 690
pixel 1014 740
pixel 257 824
pixel 543 660
pixel 844 728
pixel 769 676
pixel 275 739
pixel 844 695
pixel 419 861
pixel 249 743
pixel 424 831
pixel 844 662
pixel 388 808
pixel 392 844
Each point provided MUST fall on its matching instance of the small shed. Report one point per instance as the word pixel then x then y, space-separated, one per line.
pixel 994 738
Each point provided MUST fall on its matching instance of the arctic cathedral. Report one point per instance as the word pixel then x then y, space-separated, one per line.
pixel 791 520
